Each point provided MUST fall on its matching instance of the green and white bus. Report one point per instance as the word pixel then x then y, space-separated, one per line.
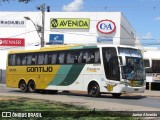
pixel 95 69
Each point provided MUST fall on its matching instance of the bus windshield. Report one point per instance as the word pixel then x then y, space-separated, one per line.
pixel 134 69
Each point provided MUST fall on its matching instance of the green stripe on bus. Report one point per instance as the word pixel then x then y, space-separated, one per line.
pixel 76 47
pixel 61 74
pixel 72 75
pixel 85 47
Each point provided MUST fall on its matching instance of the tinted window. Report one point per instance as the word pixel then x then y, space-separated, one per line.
pixel 89 56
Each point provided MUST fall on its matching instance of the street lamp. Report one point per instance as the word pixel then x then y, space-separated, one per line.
pixel 27 18
pixel 42 9
pixel 39 29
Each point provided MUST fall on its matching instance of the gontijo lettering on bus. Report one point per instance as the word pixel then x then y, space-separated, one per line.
pixel 106 26
pixel 39 69
pixel 69 23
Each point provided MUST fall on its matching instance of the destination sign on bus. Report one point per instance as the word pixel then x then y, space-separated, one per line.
pixel 129 52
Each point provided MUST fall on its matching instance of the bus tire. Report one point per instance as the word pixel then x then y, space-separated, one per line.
pixel 116 95
pixel 23 86
pixel 94 90
pixel 31 86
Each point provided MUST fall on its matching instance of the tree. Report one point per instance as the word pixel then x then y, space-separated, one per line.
pixel 25 1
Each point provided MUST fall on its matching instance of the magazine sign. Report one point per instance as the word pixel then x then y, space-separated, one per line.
pixel 106 26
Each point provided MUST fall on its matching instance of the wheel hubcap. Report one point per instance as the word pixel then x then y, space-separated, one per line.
pixel 22 86
pixel 94 90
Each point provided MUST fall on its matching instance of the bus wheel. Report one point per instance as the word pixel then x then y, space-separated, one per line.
pixel 31 86
pixel 116 95
pixel 94 90
pixel 23 86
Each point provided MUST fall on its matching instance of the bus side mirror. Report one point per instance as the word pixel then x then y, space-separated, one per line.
pixel 122 60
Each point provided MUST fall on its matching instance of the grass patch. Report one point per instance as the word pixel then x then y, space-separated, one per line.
pixel 50 110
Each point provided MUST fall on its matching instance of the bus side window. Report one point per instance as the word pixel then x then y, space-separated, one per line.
pixel 76 57
pixel 33 62
pixel 52 58
pixel 70 57
pixel 62 58
pixel 45 58
pixel 80 57
pixel 84 58
pixel 91 57
pixel 23 60
pixel 87 57
pixel 18 60
pixel 29 59
pixel 97 56
pixel 40 59
pixel 49 59
pixel 12 59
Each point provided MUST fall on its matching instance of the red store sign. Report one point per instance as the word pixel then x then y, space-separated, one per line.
pixel 12 42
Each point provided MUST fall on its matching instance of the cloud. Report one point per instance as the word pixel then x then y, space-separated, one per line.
pixel 147 36
pixel 74 6
pixel 157 18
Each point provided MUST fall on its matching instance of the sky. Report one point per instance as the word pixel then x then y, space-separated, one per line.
pixel 144 15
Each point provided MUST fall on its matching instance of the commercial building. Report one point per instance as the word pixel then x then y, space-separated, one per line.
pixel 62 28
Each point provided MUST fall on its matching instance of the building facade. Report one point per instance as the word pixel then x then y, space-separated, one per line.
pixel 62 28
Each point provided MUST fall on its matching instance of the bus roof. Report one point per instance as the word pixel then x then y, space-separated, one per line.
pixel 68 47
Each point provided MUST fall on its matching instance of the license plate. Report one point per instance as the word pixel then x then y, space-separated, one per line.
pixel 135 89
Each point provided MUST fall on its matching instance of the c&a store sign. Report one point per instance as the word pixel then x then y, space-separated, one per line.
pixel 69 23
pixel 106 26
pixel 12 42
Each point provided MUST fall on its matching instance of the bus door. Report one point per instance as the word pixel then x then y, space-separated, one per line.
pixel 111 64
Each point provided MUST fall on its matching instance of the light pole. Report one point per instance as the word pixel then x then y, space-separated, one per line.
pixel 42 8
pixel 38 28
